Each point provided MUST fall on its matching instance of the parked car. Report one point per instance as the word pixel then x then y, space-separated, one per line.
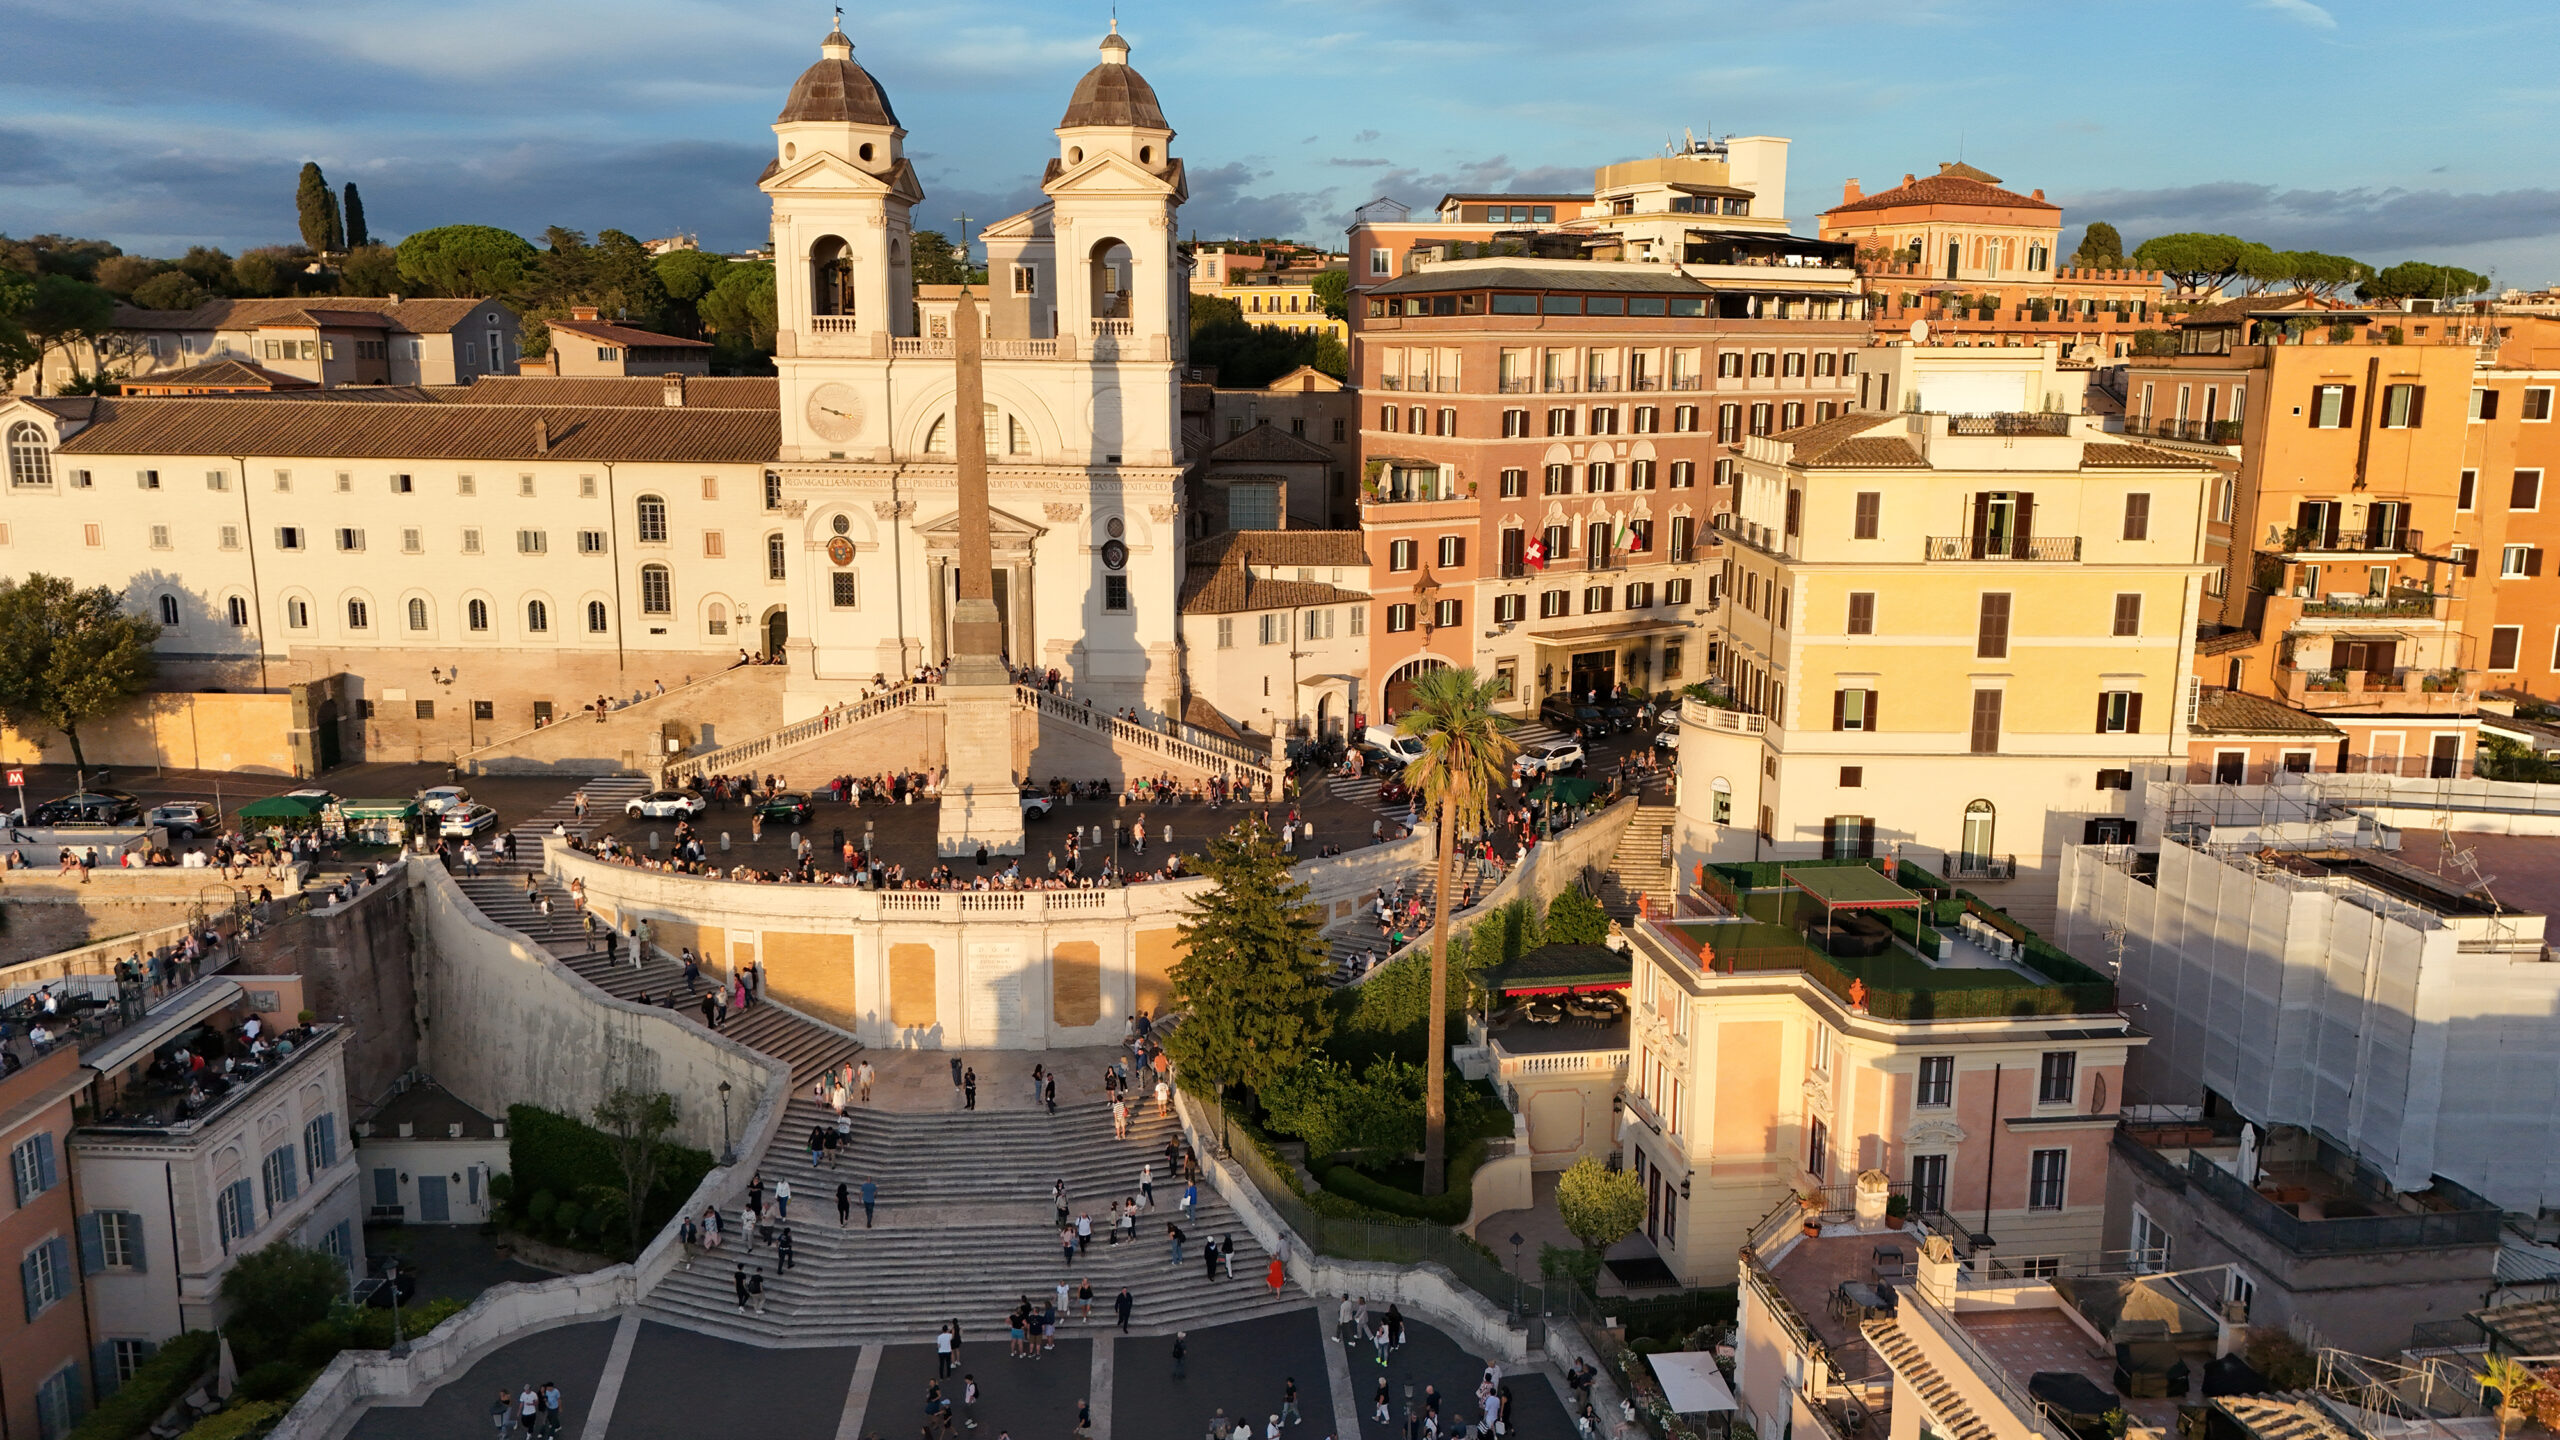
pixel 1037 805
pixel 464 821
pixel 666 805
pixel 438 799
pixel 1623 714
pixel 791 807
pixel 1388 742
pixel 88 807
pixel 1558 711
pixel 185 819
pixel 1548 757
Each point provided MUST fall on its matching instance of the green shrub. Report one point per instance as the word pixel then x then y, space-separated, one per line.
pixel 274 1380
pixel 154 1387
pixel 502 1190
pixel 240 1422
pixel 1574 918
pixel 547 1151
pixel 539 1210
pixel 564 1221
pixel 1448 1208
pixel 275 1293
pixel 371 1328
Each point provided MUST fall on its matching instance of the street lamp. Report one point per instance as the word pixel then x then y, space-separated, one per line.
pixel 728 1153
pixel 399 1342
pixel 1515 1274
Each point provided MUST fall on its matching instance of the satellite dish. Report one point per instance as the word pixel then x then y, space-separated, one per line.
pixel 1919 332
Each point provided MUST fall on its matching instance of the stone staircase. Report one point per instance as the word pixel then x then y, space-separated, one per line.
pixel 1638 868
pixel 1955 1418
pixel 1350 941
pixel 966 1228
pixel 606 795
pixel 808 1047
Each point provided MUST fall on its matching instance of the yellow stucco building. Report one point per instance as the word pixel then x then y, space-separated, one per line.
pixel 1282 300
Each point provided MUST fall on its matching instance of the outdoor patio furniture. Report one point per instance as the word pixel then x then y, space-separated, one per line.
pixel 1890 1264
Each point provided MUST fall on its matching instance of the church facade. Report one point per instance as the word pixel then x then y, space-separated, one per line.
pixel 1084 324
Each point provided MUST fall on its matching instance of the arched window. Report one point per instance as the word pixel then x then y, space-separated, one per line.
pixel 168 609
pixel 537 617
pixel 937 441
pixel 774 551
pixel 238 605
pixel 653 520
pixel 30 462
pixel 1975 853
pixel 1017 438
pixel 476 614
pixel 657 591
pixel 359 615
pixel 595 617
pixel 830 277
pixel 417 613
pixel 716 619
pixel 297 613
pixel 1720 797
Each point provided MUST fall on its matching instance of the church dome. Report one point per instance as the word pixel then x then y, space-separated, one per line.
pixel 1112 93
pixel 836 89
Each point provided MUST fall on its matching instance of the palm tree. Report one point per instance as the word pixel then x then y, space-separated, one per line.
pixel 2514 1383
pixel 1466 756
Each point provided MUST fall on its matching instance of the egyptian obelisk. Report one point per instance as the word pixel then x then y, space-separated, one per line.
pixel 981 804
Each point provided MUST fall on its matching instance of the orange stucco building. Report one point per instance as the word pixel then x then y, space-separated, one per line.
pixel 2509 523
pixel 45 1383
pixel 1969 262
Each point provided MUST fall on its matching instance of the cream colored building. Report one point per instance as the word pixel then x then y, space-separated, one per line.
pixel 1950 638
pixel 1275 628
pixel 328 340
pixel 1086 324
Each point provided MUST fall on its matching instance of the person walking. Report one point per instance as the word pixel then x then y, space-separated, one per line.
pixel 1067 1245
pixel 1173 1233
pixel 1179 1350
pixel 942 1344
pixel 1227 1253
pixel 783 1254
pixel 844 1205
pixel 862 1078
pixel 1209 1258
pixel 1289 1401
pixel 969 1402
pixel 870 1199
pixel 1346 1322
pixel 550 1408
pixel 1084 1418
pixel 969 1089
pixel 1119 1118
pixel 742 1287
pixel 1084 1297
pixel 1121 1305
pixel 1147 1186
pixel 502 1414
pixel 1277 1275
pixel 755 1289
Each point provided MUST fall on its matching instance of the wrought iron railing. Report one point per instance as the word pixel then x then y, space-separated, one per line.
pixel 1982 547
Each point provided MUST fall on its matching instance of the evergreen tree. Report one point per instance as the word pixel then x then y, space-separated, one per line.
pixel 317 209
pixel 357 236
pixel 1251 978
pixel 2101 248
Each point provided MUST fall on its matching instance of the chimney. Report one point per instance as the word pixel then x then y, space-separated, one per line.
pixel 672 394
pixel 2036 195
pixel 541 435
pixel 1910 179
pixel 1849 192
pixel 582 312
pixel 395 297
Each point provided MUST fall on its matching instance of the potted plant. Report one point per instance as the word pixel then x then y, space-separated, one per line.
pixel 1895 1210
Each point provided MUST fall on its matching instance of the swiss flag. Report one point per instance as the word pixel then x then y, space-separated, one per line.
pixel 1535 555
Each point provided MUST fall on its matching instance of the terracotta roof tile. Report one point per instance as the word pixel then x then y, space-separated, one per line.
pixel 213 425
pixel 226 372
pixel 1845 441
pixel 2224 640
pixel 1200 714
pixel 703 392
pixel 2237 712
pixel 1268 444
pixel 613 334
pixel 2108 454
pixel 1217 581
pixel 2237 312
pixel 418 317
pixel 1328 549
pixel 1948 187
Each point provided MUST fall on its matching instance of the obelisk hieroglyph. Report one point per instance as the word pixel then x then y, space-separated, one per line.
pixel 981 804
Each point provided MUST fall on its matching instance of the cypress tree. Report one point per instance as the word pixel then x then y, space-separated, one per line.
pixel 1251 977
pixel 317 209
pixel 357 235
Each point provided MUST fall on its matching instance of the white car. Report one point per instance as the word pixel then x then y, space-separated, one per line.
pixel 464 821
pixel 441 798
pixel 666 805
pixel 1548 757
pixel 1393 745
pixel 1036 806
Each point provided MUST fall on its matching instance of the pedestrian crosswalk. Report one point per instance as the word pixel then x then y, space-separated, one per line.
pixel 1363 791
pixel 605 797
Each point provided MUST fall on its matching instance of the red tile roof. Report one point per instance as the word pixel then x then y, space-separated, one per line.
pixel 275 425
pixel 612 334
pixel 1952 185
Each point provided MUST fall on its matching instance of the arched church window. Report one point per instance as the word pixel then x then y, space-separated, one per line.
pixel 830 277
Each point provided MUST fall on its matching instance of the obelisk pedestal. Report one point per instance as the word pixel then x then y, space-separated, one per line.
pixel 981 803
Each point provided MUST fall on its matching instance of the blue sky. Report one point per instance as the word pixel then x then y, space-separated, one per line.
pixel 2388 132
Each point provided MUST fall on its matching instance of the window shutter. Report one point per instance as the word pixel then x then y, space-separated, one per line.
pixel 1981 525
pixel 2417 406
pixel 1866 837
pixel 1839 709
pixel 2026 524
pixel 46 1175
pixel 137 1254
pixel 27 1283
pixel 2532 566
pixel 245 1203
pixel 93 1246
pixel 2470 563
pixel 19 1193
pixel 2102 712
pixel 2133 713
pixel 102 1364
pixel 2347 407
pixel 2314 410
pixel 328 1141
pixel 1873 725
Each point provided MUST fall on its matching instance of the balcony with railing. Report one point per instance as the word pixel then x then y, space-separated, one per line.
pixel 1518 385
pixel 1688 382
pixel 2200 432
pixel 1561 384
pixel 2399 603
pixel 1758 536
pixel 2309 684
pixel 2009 423
pixel 2309 1197
pixel 2311 540
pixel 2047 548
pixel 833 324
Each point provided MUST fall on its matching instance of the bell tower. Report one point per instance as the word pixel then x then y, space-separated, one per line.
pixel 842 190
pixel 1113 189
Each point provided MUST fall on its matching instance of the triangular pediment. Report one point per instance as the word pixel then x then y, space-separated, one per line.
pixel 826 173
pixel 1113 173
pixel 1031 224
pixel 999 522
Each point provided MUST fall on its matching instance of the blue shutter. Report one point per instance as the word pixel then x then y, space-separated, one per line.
pixel 137 1252
pixel 46 1176
pixel 63 1274
pixel 102 1363
pixel 93 1245
pixel 291 1172
pixel 245 1203
pixel 27 1284
pixel 79 1392
pixel 328 1141
pixel 20 1174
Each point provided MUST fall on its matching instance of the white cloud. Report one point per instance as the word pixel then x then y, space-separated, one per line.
pixel 2301 12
